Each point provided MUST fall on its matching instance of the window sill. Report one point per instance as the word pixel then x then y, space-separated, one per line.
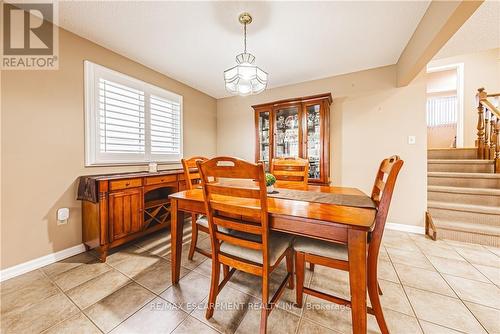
pixel 122 164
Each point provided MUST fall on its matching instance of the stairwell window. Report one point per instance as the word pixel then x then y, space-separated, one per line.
pixel 128 121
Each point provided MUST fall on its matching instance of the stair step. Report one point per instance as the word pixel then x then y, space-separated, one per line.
pixel 452 153
pixel 467 232
pixel 475 196
pixel 470 180
pixel 467 227
pixel 475 214
pixel 465 207
pixel 461 165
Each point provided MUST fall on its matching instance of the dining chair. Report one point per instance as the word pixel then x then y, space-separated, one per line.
pixel 243 244
pixel 336 256
pixel 295 170
pixel 198 222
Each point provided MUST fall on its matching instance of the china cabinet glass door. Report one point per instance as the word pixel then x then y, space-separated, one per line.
pixel 264 132
pixel 286 139
pixel 313 140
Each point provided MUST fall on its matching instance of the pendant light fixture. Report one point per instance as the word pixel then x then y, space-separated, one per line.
pixel 245 78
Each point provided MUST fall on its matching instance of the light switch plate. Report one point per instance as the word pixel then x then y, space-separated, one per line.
pixel 412 140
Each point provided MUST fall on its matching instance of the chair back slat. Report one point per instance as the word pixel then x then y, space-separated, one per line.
pixel 239 241
pixel 244 195
pixel 234 191
pixel 291 169
pixel 229 167
pixel 237 225
pixel 227 209
pixel 191 173
pixel 378 190
pixel 383 189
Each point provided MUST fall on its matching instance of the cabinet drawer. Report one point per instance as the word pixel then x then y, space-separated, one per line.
pixel 124 184
pixel 160 179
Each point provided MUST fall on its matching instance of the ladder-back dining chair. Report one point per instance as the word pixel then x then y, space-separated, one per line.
pixel 294 170
pixel 243 244
pixel 336 256
pixel 198 223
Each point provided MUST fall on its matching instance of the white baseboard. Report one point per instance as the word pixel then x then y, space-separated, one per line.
pixel 22 268
pixel 406 228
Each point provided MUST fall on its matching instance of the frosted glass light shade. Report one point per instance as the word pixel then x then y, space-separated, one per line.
pixel 246 78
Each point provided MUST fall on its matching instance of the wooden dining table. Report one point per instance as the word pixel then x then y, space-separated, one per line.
pixel 335 223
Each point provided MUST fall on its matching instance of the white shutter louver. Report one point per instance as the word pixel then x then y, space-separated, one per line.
pixel 128 121
pixel 121 118
pixel 165 126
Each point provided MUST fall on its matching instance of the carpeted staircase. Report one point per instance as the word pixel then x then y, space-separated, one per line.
pixel 463 196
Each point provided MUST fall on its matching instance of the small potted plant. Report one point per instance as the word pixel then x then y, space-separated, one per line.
pixel 270 181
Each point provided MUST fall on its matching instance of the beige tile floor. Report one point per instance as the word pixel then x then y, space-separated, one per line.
pixel 429 287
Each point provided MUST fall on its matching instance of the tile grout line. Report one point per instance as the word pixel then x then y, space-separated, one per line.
pixel 301 316
pixel 71 300
pixel 404 290
pixel 156 295
pixel 459 298
pixel 140 308
pixel 472 264
pixel 441 275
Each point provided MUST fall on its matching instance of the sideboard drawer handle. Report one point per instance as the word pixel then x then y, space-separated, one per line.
pixel 127 184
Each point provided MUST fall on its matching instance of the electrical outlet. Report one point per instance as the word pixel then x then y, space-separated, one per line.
pixel 412 140
pixel 62 216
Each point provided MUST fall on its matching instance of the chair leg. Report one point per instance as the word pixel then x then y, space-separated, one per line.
pixel 214 288
pixel 373 292
pixel 379 289
pixel 299 270
pixel 194 236
pixel 225 270
pixel 289 267
pixel 265 304
pixel 311 266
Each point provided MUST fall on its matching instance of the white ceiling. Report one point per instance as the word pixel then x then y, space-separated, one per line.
pixel 480 32
pixel 194 42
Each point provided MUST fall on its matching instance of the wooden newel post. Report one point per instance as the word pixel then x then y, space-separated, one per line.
pixel 480 125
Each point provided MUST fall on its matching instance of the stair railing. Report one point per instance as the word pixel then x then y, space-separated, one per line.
pixel 488 128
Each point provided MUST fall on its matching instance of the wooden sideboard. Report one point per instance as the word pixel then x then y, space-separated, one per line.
pixel 119 208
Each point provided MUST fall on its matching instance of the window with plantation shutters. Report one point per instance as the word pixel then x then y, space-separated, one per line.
pixel 129 121
pixel 165 126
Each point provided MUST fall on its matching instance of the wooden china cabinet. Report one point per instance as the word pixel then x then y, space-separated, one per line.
pixel 298 127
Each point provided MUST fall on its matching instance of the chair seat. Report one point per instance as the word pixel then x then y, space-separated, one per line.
pixel 321 248
pixel 202 221
pixel 278 244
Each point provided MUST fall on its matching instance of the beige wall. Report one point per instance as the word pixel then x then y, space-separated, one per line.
pixel 441 136
pixel 42 132
pixel 481 69
pixel 370 120
pixel 442 81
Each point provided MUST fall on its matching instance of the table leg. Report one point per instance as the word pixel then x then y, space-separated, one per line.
pixel 357 278
pixel 176 240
